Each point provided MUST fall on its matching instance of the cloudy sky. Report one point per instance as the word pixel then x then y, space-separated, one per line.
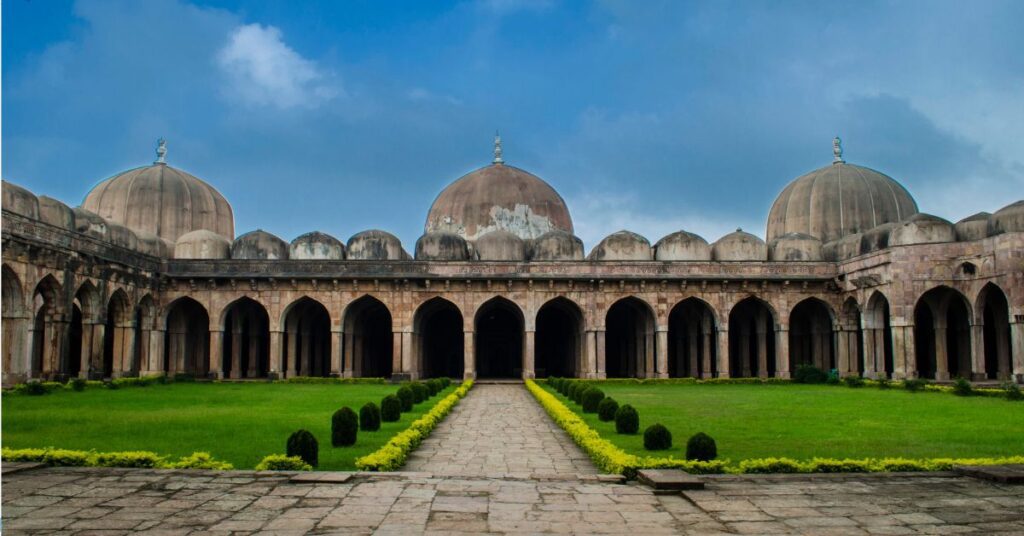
pixel 649 116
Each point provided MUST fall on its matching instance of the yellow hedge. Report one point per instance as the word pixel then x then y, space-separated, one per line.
pixel 91 458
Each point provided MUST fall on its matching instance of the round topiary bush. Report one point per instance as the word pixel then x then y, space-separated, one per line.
pixel 390 409
pixel 962 387
pixel 657 437
pixel 344 425
pixel 701 447
pixel 627 420
pixel 434 385
pixel 591 398
pixel 304 445
pixel 78 384
pixel 369 417
pixel 809 374
pixel 607 408
pixel 35 388
pixel 577 395
pixel 419 392
pixel 407 397
pixel 569 387
pixel 446 381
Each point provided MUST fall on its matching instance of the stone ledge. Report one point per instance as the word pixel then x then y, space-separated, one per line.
pixel 669 480
pixel 1004 474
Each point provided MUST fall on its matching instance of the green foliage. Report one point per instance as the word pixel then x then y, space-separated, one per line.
pixel 592 397
pixel 962 387
pixel 280 462
pixel 77 384
pixel 446 381
pixel 407 397
pixel 390 409
pixel 914 384
pixel 67 458
pixel 627 420
pixel 35 388
pixel 771 465
pixel 833 377
pixel 419 392
pixel 369 417
pixel 316 380
pixel 809 374
pixel 127 459
pixel 883 383
pixel 1012 391
pixel 112 385
pixel 853 381
pixel 200 460
pixel 607 408
pixel 182 377
pixel 344 428
pixel 657 437
pixel 302 444
pixel 434 386
pixel 701 447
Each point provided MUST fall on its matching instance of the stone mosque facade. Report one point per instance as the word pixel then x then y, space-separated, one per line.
pixel 147 277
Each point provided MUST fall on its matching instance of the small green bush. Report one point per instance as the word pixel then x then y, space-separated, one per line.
pixel 570 392
pixel 657 437
pixel 833 377
pixel 853 381
pixel 77 384
pixel 390 409
pixel 591 399
pixel 701 447
pixel 304 445
pixel 200 460
pixel 809 374
pixel 369 417
pixel 627 420
pixel 344 427
pixel 35 388
pixel 962 387
pixel 884 383
pixel 553 382
pixel 577 395
pixel 446 381
pixel 127 459
pixel 771 465
pixel 407 397
pixel 1012 391
pixel 112 385
pixel 419 392
pixel 607 408
pixel 914 384
pixel 67 458
pixel 435 386
pixel 280 462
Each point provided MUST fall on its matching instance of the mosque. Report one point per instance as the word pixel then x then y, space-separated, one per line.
pixel 147 277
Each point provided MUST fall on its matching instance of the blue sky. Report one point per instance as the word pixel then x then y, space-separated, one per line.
pixel 649 116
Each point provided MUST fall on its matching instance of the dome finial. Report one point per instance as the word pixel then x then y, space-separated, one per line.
pixel 161 151
pixel 837 151
pixel 497 148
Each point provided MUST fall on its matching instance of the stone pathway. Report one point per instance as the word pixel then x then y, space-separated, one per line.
pixel 499 431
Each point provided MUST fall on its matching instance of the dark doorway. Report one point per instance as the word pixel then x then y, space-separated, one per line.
pixel 369 339
pixel 187 344
pixel 751 340
pixel 246 351
pixel 438 331
pixel 307 340
pixel 75 343
pixel 941 355
pixel 629 340
pixel 499 340
pixel 810 336
pixel 996 333
pixel 558 344
pixel 691 340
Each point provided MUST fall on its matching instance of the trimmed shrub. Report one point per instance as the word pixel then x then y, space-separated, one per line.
pixel 77 384
pixel 570 388
pixel 369 417
pixel 1012 391
pixel 419 392
pixel 962 387
pixel 657 437
pixel 771 465
pixel 701 447
pixel 607 408
pixel 627 420
pixel 280 462
pixel 434 386
pixel 35 388
pixel 853 381
pixel 577 395
pixel 914 384
pixel 67 458
pixel 304 445
pixel 390 409
pixel 128 459
pixel 591 398
pixel 809 374
pixel 553 381
pixel 199 460
pixel 883 383
pixel 344 426
pixel 407 397
pixel 446 381
pixel 833 377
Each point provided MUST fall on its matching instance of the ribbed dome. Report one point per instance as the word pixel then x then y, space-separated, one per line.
pixel 163 201
pixel 838 200
pixel 499 197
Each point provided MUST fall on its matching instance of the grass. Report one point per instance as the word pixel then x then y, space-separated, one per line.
pixel 805 421
pixel 236 422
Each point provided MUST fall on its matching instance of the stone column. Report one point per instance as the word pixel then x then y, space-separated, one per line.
pixel 216 354
pixel 408 364
pixel 276 349
pixel 782 368
pixel 1017 343
pixel 941 354
pixel 903 352
pixel 649 349
pixel 705 350
pixel 128 365
pixel 305 349
pixel 870 359
pixel 723 353
pixel 528 354
pixel 155 363
pixel 601 354
pixel 879 352
pixel 396 352
pixel 236 348
pixel 978 372
pixel 694 339
pixel 1003 351
pixel 337 349
pixel 292 366
pixel 661 349
pixel 348 368
pixel 762 352
pixel 469 356
pixel 85 369
pixel 843 347
pixel 589 368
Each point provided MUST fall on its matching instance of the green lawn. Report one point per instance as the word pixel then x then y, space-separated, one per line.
pixel 236 422
pixel 804 421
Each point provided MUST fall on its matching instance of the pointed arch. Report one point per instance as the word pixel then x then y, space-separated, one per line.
pixel 811 337
pixel 307 339
pixel 246 341
pixel 187 340
pixel 692 339
pixel 558 343
pixel 14 327
pixel 942 335
pixel 49 329
pixel 439 339
pixel 369 341
pixel 499 326
pixel 878 353
pixel 993 312
pixel 752 339
pixel 119 337
pixel 629 339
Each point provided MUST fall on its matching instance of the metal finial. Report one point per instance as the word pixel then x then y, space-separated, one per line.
pixel 837 151
pixel 161 151
pixel 497 148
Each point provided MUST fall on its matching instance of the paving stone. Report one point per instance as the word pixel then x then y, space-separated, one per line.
pixel 669 479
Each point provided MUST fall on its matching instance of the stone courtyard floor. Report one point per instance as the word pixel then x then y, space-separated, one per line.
pixel 497 465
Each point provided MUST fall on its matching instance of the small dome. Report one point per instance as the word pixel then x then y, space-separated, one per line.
pixel 795 247
pixel 259 244
pixel 846 247
pixel 375 245
pixel 161 200
pixel 876 238
pixel 56 213
pixel 557 246
pixel 973 227
pixel 440 246
pixel 151 244
pixel 922 229
pixel 316 246
pixel 838 200
pixel 20 201
pixel 739 246
pixel 500 245
pixel 90 223
pixel 682 246
pixel 202 244
pixel 1009 219
pixel 122 236
pixel 622 246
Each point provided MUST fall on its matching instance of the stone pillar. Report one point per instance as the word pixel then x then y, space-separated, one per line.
pixel 276 350
pixel 843 347
pixel 589 368
pixel 528 355
pixel 337 350
pixel 661 348
pixel 941 354
pixel 978 372
pixel 870 359
pixel 782 367
pixel 156 351
pixel 292 366
pixel 85 369
pixel 348 368
pixel 602 354
pixel 723 353
pixel 762 351
pixel 649 349
pixel 305 349
pixel 129 365
pixel 236 348
pixel 396 352
pixel 705 350
pixel 1003 351
pixel 216 354
pixel 407 359
pixel 904 354
pixel 469 356
pixel 1017 343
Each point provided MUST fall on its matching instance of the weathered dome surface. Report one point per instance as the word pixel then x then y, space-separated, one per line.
pixel 1009 219
pixel 90 223
pixel 922 229
pixel 500 245
pixel 739 246
pixel 375 245
pixel 838 200
pixel 259 244
pixel 316 246
pixel 499 197
pixel 876 238
pixel 440 246
pixel 202 244
pixel 56 213
pixel 557 246
pixel 622 246
pixel 20 201
pixel 682 246
pixel 795 247
pixel 974 227
pixel 152 244
pixel 122 236
pixel 161 200
pixel 846 247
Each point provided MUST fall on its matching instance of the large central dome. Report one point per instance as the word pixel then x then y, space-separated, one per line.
pixel 499 197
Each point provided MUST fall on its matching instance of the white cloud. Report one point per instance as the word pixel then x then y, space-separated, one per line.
pixel 263 71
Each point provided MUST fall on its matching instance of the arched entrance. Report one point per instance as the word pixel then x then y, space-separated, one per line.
pixel 187 344
pixel 629 340
pixel 307 339
pixel 14 327
pixel 87 334
pixel 751 340
pixel 246 344
pixel 810 335
pixel 878 338
pixel 369 342
pixel 499 339
pixel 942 336
pixel 995 317
pixel 850 343
pixel 48 329
pixel 437 328
pixel 692 342
pixel 558 347
pixel 119 335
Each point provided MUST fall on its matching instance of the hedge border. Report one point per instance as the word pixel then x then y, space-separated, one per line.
pixel 128 458
pixel 393 454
